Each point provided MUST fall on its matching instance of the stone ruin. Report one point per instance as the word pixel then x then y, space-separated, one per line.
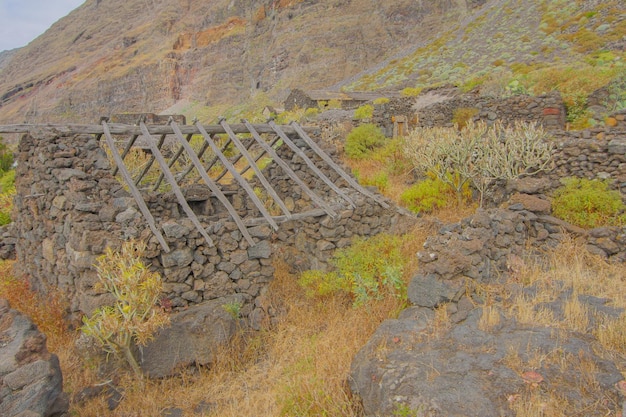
pixel 69 207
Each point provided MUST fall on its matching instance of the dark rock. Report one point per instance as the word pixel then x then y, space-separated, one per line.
pixel 261 250
pixel 191 339
pixel 30 376
pixel 529 185
pixel 531 203
pixel 114 397
pixel 172 412
pixel 429 291
pixel 179 257
pixel 174 230
pixel 463 372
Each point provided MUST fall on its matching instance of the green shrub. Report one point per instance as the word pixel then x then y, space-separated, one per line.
pixel 411 91
pixel 6 157
pixel 381 100
pixel 134 316
pixel 311 112
pixel 588 203
pixel 7 182
pixel 362 139
pixel 334 104
pixel 368 269
pixel 428 195
pixel 364 112
pixel 7 192
pixel 479 153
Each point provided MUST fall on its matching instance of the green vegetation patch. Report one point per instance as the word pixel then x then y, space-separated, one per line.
pixel 588 203
pixel 362 140
pixel 429 195
pixel 369 269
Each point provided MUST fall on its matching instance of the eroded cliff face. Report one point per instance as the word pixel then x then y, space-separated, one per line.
pixel 145 55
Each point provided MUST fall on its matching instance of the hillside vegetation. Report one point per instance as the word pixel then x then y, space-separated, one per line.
pixel 201 59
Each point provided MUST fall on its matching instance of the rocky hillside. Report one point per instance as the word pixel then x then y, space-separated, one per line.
pixel 147 55
pixel 198 58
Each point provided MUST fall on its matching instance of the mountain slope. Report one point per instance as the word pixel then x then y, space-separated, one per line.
pixel 200 57
pixel 145 55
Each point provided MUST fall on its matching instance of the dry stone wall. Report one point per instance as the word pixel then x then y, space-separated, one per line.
pixel 592 153
pixel 547 110
pixel 69 208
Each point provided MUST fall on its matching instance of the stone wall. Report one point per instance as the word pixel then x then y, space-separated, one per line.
pixel 547 110
pixel 69 208
pixel 592 153
pixel 491 242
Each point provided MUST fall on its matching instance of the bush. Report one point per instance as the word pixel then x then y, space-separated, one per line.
pixel 311 112
pixel 411 91
pixel 7 192
pixel 7 182
pixel 6 157
pixel 428 195
pixel 479 154
pixel 134 317
pixel 364 112
pixel 588 203
pixel 362 139
pixel 367 270
pixel 378 179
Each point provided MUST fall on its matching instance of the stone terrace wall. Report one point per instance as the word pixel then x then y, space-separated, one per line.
pixel 593 153
pixel 69 208
pixel 493 241
pixel 545 109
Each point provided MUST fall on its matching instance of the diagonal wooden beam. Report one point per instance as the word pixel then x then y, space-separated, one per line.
pixel 131 185
pixel 290 173
pixel 212 186
pixel 170 178
pixel 241 180
pixel 310 163
pixel 343 174
pixel 268 187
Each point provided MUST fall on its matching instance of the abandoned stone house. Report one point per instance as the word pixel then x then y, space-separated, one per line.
pixel 320 98
pixel 207 237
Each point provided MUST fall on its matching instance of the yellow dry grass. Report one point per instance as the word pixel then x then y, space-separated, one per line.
pixel 300 365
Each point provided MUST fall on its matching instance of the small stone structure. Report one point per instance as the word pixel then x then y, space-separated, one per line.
pixel 69 207
pixel 314 98
pixel 31 383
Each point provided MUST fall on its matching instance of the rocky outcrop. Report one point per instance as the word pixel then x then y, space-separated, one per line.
pixel 460 366
pixel 31 383
pixel 467 371
pixel 193 337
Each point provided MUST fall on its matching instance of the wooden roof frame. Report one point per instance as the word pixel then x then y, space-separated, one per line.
pixel 182 135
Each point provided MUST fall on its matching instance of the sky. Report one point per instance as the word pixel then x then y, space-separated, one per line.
pixel 21 21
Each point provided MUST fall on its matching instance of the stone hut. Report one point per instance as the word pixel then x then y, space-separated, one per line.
pixel 70 206
pixel 313 98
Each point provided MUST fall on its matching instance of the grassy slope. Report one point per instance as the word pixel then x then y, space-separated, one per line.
pixel 521 46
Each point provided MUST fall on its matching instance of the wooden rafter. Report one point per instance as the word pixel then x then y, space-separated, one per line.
pixel 182 135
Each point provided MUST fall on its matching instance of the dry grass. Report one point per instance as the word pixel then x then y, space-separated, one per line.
pixel 298 367
pixel 571 270
pixel 489 319
pixel 46 311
